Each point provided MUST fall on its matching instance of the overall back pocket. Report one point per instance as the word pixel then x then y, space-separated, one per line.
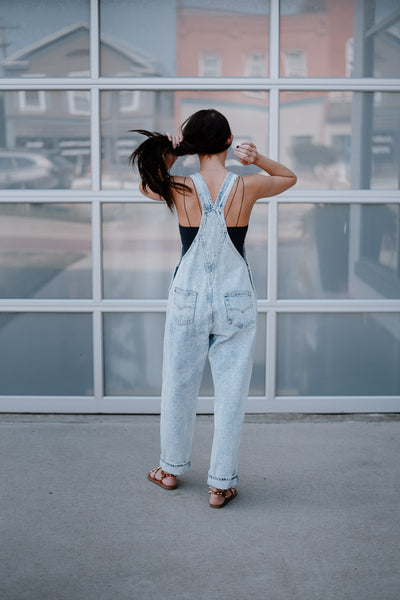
pixel 184 305
pixel 240 309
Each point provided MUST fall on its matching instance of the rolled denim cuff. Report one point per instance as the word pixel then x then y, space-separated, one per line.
pixel 222 483
pixel 175 469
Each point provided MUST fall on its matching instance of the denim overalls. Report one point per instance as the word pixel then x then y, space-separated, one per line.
pixel 211 311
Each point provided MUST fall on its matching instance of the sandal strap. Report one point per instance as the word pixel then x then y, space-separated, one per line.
pixel 221 492
pixel 155 470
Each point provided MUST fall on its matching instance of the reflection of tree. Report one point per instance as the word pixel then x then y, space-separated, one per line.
pixel 310 155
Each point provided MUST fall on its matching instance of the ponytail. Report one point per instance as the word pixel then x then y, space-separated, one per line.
pixel 205 132
pixel 149 156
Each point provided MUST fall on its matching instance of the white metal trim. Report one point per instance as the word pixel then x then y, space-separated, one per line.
pixel 203 83
pixel 151 404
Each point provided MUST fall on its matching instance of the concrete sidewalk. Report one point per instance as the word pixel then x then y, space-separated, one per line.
pixel 317 516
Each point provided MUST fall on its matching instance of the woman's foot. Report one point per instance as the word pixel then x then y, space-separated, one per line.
pixel 218 498
pixel 165 480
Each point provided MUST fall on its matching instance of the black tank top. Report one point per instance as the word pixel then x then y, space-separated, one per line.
pixel 237 235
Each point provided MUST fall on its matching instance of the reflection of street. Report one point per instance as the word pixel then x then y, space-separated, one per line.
pixel 45 251
pixel 338 354
pixel 46 354
pixel 338 251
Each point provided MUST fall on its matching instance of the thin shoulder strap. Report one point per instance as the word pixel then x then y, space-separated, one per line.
pixel 204 193
pixel 225 189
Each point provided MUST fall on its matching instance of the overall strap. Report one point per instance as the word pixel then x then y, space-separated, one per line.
pixel 204 193
pixel 225 190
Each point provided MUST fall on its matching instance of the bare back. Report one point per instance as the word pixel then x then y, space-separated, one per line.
pixel 237 208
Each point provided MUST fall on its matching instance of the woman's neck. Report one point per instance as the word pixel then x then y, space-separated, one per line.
pixel 213 162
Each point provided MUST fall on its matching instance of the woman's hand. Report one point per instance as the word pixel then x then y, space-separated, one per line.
pixel 174 139
pixel 246 153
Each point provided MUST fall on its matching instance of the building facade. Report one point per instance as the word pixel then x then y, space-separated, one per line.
pixel 86 260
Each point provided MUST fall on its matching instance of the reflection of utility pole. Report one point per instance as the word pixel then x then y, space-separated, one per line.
pixel 362 105
pixel 3 36
pixel 3 44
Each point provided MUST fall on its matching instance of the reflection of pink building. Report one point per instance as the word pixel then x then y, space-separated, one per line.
pixel 221 44
pixel 230 44
pixel 316 44
pixel 224 44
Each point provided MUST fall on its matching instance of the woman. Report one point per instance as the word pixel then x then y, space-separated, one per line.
pixel 212 304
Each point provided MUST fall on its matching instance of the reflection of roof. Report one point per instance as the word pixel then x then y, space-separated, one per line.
pixel 20 57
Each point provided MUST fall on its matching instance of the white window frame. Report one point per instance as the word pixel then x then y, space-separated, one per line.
pixel 295 63
pixel 251 62
pixel 74 96
pixel 207 68
pixel 272 306
pixel 25 106
pixel 135 96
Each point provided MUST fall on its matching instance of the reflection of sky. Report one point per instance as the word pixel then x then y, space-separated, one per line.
pixel 36 20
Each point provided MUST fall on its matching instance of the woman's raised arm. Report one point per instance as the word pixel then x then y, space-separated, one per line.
pixel 280 177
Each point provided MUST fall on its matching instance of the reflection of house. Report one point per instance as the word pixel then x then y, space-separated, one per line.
pixel 60 120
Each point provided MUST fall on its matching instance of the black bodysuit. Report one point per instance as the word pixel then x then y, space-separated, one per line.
pixel 237 235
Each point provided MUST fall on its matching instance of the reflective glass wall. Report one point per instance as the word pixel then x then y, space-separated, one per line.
pixel 86 260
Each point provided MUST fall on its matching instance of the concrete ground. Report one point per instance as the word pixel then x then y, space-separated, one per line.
pixel 317 516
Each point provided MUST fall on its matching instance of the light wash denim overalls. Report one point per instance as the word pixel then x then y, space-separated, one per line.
pixel 211 311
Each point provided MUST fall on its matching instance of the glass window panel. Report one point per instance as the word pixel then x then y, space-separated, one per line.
pixel 141 247
pixel 327 38
pixel 133 345
pixel 338 354
pixel 45 251
pixel 341 140
pixel 46 354
pixel 45 139
pixel 190 38
pixel 47 38
pixel 140 250
pixel 257 248
pixel 338 251
pixel 247 113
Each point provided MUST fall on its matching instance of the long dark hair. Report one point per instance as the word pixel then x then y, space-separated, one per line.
pixel 205 132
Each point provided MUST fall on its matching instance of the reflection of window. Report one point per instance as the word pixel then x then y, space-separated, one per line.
pixel 210 65
pixel 129 101
pixel 32 100
pixel 256 65
pixel 379 264
pixel 295 63
pixel 79 102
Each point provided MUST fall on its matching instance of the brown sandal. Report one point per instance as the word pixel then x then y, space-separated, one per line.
pixel 152 477
pixel 223 493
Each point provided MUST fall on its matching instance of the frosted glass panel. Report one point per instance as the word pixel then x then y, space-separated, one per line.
pixel 45 251
pixel 133 344
pixel 341 140
pixel 45 38
pixel 45 139
pixel 141 247
pixel 46 354
pixel 190 38
pixel 328 38
pixel 338 354
pixel 121 111
pixel 338 251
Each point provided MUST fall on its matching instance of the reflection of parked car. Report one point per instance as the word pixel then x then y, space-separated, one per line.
pixel 28 170
pixel 65 170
